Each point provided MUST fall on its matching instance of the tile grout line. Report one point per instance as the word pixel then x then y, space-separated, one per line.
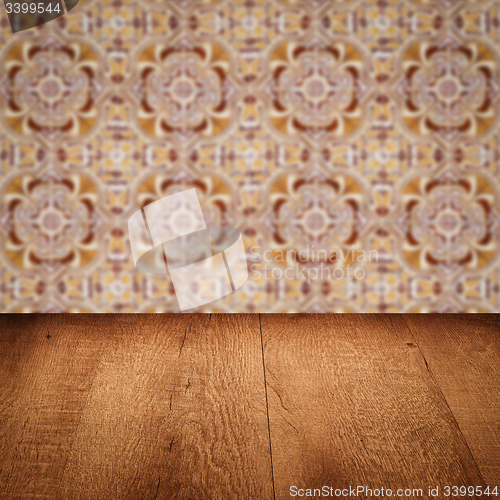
pixel 267 406
pixel 433 378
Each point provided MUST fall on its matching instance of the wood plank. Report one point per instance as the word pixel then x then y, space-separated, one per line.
pixel 177 410
pixel 46 366
pixel 463 354
pixel 15 352
pixel 351 403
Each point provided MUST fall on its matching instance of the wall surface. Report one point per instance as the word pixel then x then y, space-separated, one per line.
pixel 355 144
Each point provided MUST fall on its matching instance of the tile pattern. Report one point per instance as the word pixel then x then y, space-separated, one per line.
pixel 341 126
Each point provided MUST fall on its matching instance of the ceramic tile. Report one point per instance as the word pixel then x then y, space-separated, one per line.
pixel 355 144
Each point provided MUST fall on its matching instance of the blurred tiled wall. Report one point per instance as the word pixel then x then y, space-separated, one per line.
pixel 337 126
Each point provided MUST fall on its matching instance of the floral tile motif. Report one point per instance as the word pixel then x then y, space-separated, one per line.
pixel 50 88
pixel 363 133
pixel 316 89
pixel 449 89
pixel 183 90
pixel 449 222
pixel 51 222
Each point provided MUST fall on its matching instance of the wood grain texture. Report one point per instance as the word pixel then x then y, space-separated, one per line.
pixel 46 368
pixel 174 406
pixel 463 354
pixel 351 402
pixel 177 410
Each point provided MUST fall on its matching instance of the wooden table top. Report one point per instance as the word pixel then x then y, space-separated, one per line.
pixel 247 406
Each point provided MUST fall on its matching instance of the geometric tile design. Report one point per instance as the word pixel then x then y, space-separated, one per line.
pixel 354 143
